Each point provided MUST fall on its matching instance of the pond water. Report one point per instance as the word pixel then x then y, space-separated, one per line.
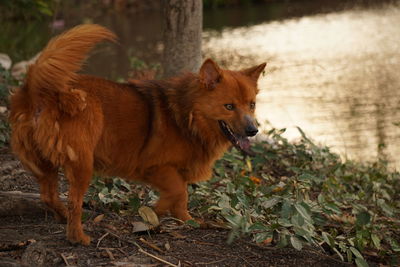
pixel 334 74
pixel 337 76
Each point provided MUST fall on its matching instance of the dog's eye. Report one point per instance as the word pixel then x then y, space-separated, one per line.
pixel 229 106
pixel 252 105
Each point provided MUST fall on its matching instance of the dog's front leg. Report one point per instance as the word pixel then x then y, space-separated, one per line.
pixel 173 192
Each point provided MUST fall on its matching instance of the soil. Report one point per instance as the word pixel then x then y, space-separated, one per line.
pixel 31 237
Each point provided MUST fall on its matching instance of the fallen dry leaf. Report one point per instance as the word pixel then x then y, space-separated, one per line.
pixel 98 218
pixel 148 215
pixel 141 227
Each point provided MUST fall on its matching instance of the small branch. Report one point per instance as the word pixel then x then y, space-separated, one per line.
pixel 157 258
pixel 65 259
pixel 109 253
pixel 141 250
pixel 101 238
pixel 209 263
pixel 19 194
pixel 153 246
pixel 16 203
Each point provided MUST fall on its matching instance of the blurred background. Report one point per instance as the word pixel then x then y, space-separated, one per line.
pixel 333 65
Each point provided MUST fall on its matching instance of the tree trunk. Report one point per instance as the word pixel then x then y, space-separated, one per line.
pixel 183 21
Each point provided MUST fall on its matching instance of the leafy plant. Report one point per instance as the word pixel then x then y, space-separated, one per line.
pixel 292 194
pixel 6 83
pixel 27 9
pixel 116 194
pixel 139 69
pixel 302 194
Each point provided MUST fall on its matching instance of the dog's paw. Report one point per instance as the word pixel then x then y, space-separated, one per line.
pixel 82 240
pixel 182 215
pixel 79 238
pixel 85 240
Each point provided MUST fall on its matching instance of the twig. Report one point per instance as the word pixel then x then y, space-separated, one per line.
pixel 153 246
pixel 157 258
pixel 122 251
pixel 207 263
pixel 20 194
pixel 141 250
pixel 65 259
pixel 109 253
pixel 101 238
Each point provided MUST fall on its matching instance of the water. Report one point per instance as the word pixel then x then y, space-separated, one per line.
pixel 334 74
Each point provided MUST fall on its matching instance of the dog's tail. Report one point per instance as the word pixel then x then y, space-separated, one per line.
pixel 56 68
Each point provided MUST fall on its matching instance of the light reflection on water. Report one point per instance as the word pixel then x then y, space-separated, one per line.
pixel 337 76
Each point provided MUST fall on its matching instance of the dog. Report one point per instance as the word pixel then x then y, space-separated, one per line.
pixel 165 133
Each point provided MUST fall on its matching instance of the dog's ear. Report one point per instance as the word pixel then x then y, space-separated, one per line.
pixel 210 73
pixel 254 72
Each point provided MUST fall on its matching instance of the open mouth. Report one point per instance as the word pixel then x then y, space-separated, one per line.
pixel 240 142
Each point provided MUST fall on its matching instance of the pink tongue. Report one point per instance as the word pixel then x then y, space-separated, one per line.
pixel 244 144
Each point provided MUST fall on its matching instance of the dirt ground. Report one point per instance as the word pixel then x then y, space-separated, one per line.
pixel 29 236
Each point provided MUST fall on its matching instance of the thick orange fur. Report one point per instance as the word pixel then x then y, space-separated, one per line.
pixel 163 133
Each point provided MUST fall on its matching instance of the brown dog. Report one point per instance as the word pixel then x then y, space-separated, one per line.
pixel 164 133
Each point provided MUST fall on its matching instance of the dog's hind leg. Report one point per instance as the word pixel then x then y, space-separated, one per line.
pixel 49 194
pixel 173 192
pixel 47 177
pixel 79 174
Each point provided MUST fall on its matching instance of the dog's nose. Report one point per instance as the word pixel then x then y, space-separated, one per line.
pixel 251 130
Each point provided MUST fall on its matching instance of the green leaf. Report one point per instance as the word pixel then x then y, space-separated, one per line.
pixel 296 243
pixel 303 212
pixel 283 242
pixel 356 252
pixel 333 207
pixel 286 210
pixel 258 226
pixel 385 207
pixel 297 220
pixel 306 177
pixel 261 237
pixel 285 222
pixel 224 201
pixel 134 203
pixel 349 255
pixel 269 203
pixel 363 218
pixel 243 199
pixel 361 262
pixel 328 239
pixel 395 246
pixel 338 253
pixel 230 188
pixel 234 220
pixel 376 241
pixel 193 223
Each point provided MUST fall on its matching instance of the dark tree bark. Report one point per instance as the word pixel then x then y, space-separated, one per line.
pixel 17 203
pixel 183 21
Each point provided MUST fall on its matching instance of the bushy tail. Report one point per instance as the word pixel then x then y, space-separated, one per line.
pixel 55 69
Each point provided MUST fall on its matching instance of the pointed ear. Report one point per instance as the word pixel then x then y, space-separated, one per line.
pixel 254 72
pixel 210 73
